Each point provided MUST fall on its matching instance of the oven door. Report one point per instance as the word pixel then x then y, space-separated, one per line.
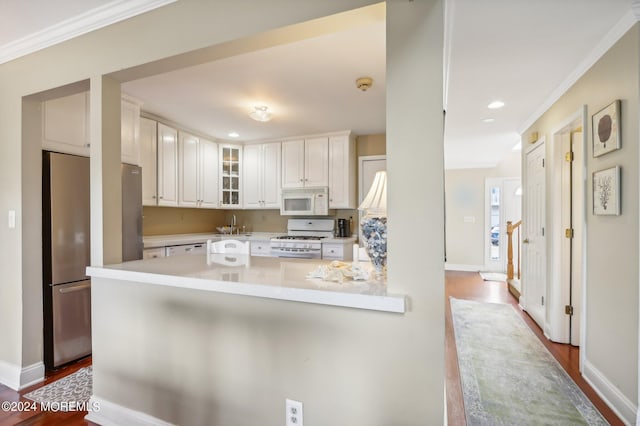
pixel 296 253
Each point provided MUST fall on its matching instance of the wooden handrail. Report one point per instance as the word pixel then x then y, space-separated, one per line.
pixel 510 228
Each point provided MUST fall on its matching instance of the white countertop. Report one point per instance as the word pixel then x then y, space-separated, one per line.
pixel 180 239
pixel 268 277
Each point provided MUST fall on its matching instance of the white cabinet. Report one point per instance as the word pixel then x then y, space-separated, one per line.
pixel 167 165
pixel 198 177
pixel 230 174
pixel 305 163
pixel 261 165
pixel 65 124
pixel 130 131
pixel 342 172
pixel 337 251
pixel 260 248
pixel 148 161
pixel 153 253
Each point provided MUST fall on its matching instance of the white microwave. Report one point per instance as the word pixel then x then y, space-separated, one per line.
pixel 305 202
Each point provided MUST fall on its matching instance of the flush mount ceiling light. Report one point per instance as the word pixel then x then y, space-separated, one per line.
pixel 260 113
pixel 234 134
pixel 488 120
pixel 495 105
pixel 364 83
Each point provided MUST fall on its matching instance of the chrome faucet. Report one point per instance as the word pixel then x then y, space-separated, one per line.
pixel 233 222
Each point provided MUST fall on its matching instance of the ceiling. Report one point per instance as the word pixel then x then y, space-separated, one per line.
pixel 519 51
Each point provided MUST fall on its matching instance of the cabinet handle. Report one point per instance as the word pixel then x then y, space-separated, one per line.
pixel 161 197
pixel 153 197
pixel 88 145
pixel 301 180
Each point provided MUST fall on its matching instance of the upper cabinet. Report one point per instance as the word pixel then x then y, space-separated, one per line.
pixel 261 165
pixel 230 174
pixel 148 161
pixel 342 172
pixel 65 126
pixel 130 130
pixel 167 165
pixel 305 163
pixel 198 172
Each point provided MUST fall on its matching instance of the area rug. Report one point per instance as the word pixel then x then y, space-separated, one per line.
pixel 508 376
pixel 67 393
pixel 493 276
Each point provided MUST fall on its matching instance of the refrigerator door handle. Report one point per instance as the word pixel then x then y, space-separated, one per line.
pixel 75 288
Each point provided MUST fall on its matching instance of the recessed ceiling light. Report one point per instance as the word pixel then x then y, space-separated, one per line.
pixel 495 105
pixel 234 134
pixel 488 120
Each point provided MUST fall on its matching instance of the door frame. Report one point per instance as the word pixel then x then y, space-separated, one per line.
pixel 559 254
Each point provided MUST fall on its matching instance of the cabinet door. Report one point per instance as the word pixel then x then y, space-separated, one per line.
pixel 272 164
pixel 208 159
pixel 130 132
pixel 252 162
pixel 167 166
pixel 230 175
pixel 293 160
pixel 148 160
pixel 65 124
pixel 316 162
pixel 189 170
pixel 342 179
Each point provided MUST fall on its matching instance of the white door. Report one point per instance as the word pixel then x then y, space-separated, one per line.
pixel 316 162
pixel 272 164
pixel 534 246
pixel 577 220
pixel 148 161
pixel 293 164
pixel 189 170
pixel 208 165
pixel 66 124
pixel 130 132
pixel 167 166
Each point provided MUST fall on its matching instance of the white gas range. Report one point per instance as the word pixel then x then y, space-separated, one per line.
pixel 303 239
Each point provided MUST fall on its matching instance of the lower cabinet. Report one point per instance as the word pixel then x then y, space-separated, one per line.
pixel 153 253
pixel 337 251
pixel 260 248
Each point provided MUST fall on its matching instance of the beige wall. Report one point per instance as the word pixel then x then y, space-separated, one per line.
pixel 405 378
pixel 612 241
pixel 371 145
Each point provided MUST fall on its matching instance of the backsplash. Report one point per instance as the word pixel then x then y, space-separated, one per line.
pixel 173 220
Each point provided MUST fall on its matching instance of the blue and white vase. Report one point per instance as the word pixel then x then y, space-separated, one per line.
pixel 374 233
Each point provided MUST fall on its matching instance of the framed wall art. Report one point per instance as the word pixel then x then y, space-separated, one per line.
pixel 606 192
pixel 606 129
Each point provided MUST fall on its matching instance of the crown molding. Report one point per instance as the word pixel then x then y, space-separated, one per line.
pixel 110 13
pixel 635 8
pixel 611 38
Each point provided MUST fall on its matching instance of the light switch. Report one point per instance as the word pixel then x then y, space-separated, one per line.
pixel 469 219
pixel 12 219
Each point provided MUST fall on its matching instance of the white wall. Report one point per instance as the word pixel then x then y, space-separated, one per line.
pixel 412 369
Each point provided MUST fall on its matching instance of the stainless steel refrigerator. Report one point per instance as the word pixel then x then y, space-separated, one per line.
pixel 66 251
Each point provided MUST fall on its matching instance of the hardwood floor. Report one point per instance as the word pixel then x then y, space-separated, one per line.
pixel 469 285
pixel 40 418
pixel 461 285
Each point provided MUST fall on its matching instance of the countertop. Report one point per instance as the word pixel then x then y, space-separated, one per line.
pixel 267 277
pixel 180 239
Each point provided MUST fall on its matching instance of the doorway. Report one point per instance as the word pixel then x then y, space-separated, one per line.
pixel 502 204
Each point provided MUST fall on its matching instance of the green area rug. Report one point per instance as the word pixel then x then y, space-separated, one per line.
pixel 508 376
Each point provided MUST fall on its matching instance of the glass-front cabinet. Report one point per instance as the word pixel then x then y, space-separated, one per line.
pixel 230 173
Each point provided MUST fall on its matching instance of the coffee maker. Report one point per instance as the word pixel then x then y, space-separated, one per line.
pixel 344 228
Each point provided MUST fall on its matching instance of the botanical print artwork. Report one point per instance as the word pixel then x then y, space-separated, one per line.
pixel 606 129
pixel 606 192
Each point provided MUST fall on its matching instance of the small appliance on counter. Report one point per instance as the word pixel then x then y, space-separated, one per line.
pixel 303 239
pixel 344 228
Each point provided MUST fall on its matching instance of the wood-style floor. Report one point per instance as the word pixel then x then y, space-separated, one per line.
pixel 469 285
pixel 461 285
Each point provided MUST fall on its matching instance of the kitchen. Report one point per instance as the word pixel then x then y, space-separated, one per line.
pixel 197 186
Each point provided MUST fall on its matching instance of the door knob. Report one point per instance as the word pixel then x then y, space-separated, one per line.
pixel 525 241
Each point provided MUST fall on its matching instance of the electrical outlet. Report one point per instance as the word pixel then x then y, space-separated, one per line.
pixel 293 413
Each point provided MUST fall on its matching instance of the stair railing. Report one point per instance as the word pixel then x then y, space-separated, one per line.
pixel 511 227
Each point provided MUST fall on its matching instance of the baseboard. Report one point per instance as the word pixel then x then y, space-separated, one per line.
pixel 620 404
pixel 17 378
pixel 107 413
pixel 465 268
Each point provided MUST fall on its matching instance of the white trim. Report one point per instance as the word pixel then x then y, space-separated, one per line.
pixel 611 38
pixel 107 413
pixel 464 268
pixel 99 17
pixel 611 395
pixel 16 378
pixel 31 375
